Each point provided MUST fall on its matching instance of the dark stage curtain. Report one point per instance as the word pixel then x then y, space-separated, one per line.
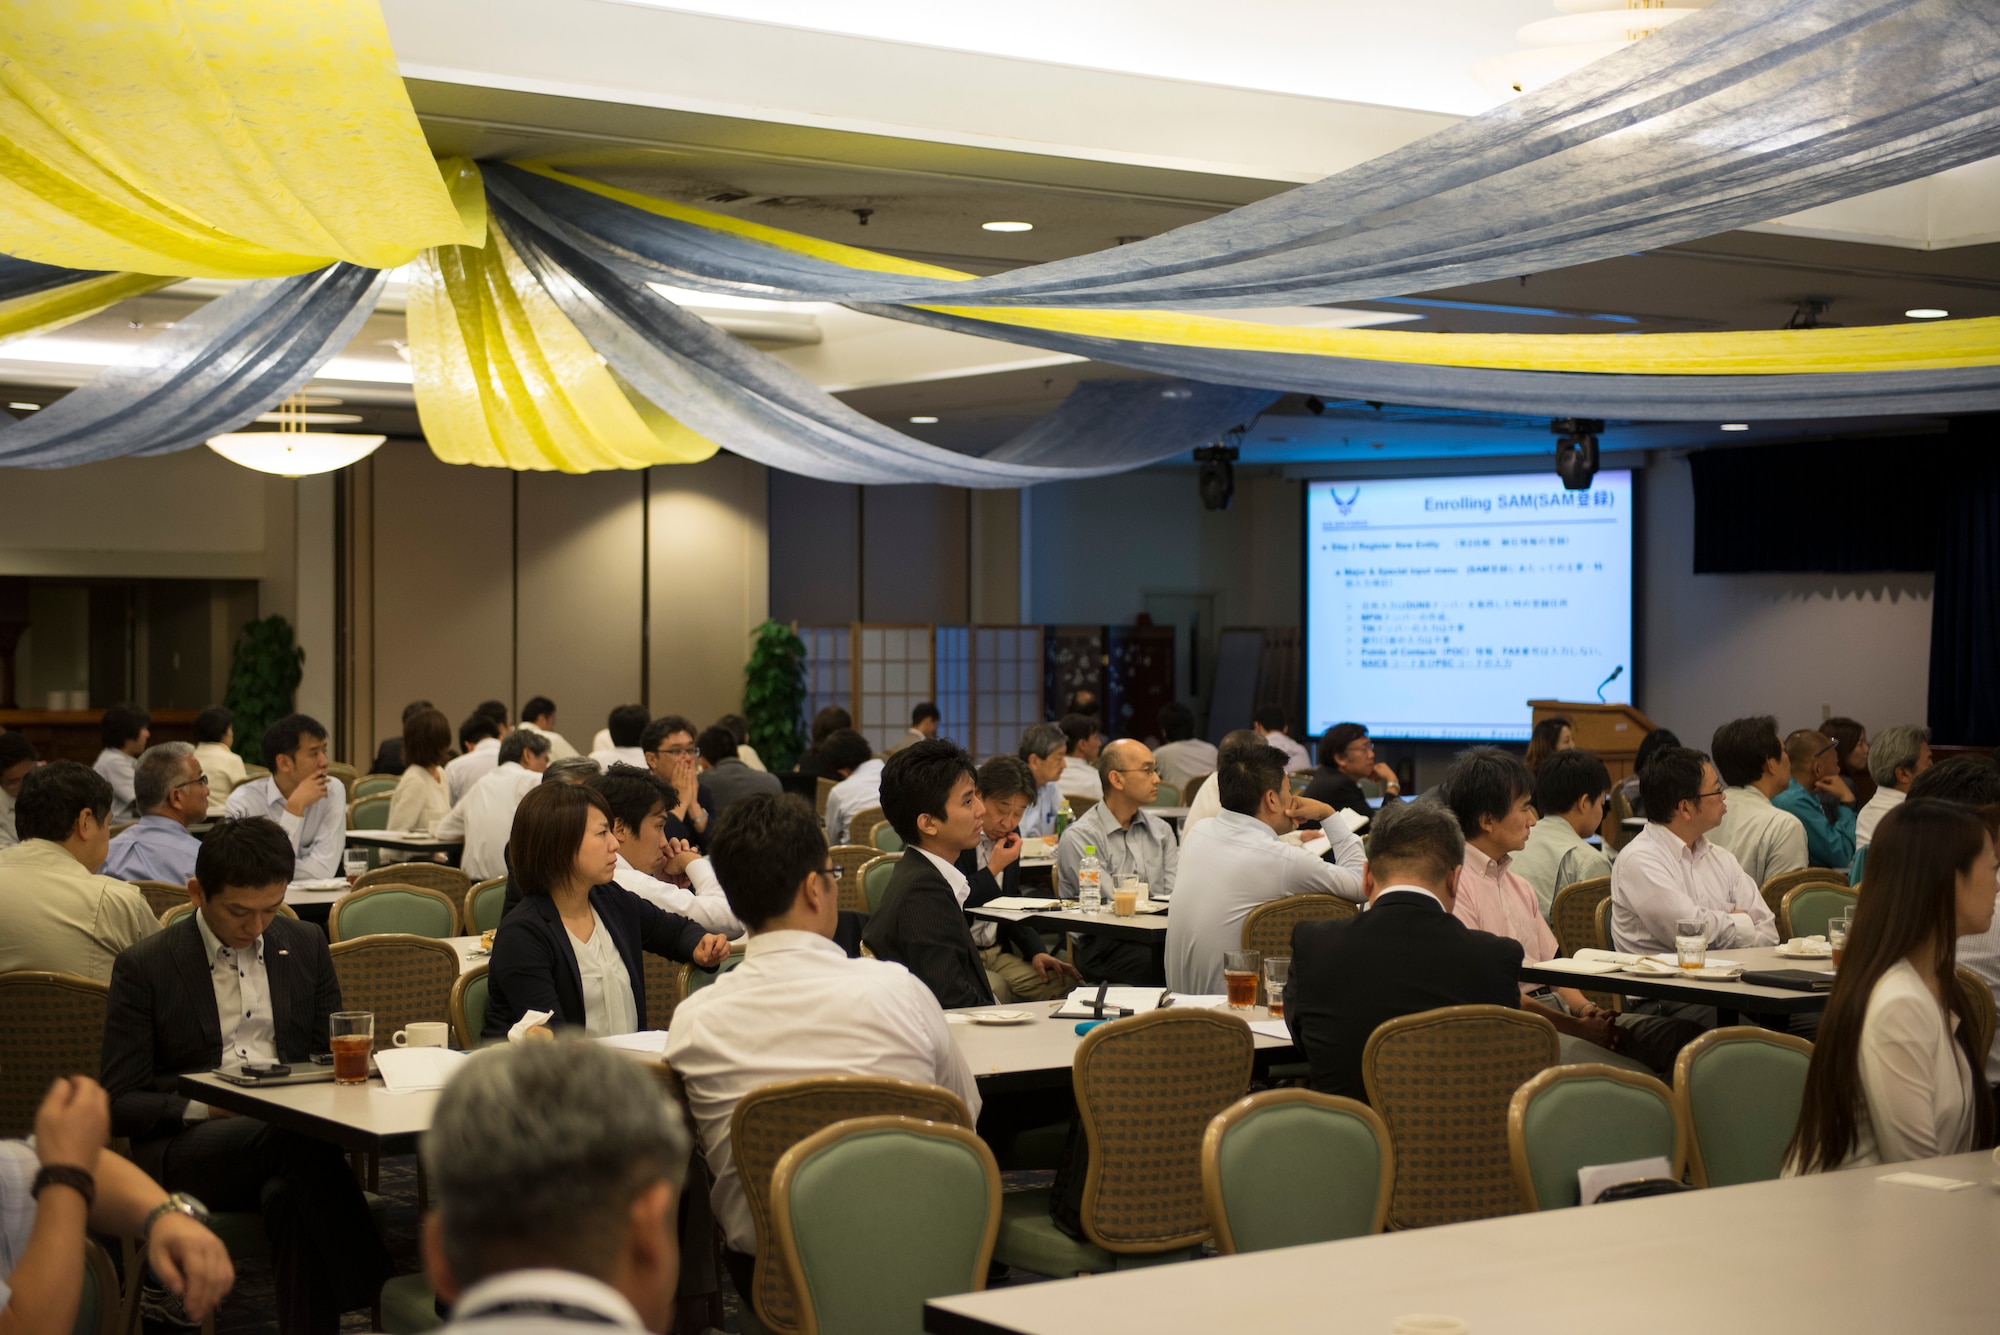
pixel 1965 608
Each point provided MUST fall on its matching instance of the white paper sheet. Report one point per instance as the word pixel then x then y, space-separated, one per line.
pixel 652 1042
pixel 1271 1029
pixel 407 1070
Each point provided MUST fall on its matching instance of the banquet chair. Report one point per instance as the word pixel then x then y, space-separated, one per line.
pixel 51 1025
pixel 1442 1079
pixel 370 784
pixel 162 895
pixel 484 905
pixel 851 858
pixel 666 984
pixel 1288 1167
pixel 1167 796
pixel 1192 788
pixel 1268 929
pixel 369 813
pixel 346 773
pixel 1806 909
pixel 1570 1117
pixel 100 1310
pixel 1079 805
pixel 400 977
pixel 861 826
pixel 468 1006
pixel 1299 780
pixel 884 837
pixel 769 1121
pixel 447 881
pixel 1146 1089
pixel 821 789
pixel 874 882
pixel 394 908
pixel 697 979
pixel 1783 883
pixel 1604 939
pixel 1573 914
pixel 1739 1090
pixel 924 1192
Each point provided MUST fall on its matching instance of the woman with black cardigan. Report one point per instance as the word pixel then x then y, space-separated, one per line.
pixel 573 945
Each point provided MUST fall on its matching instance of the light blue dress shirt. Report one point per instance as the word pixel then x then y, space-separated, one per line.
pixel 1040 817
pixel 158 848
pixel 317 837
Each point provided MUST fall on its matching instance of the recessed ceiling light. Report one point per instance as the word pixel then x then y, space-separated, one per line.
pixel 1926 313
pixel 922 421
pixel 26 407
pixel 1008 227
pixel 1735 426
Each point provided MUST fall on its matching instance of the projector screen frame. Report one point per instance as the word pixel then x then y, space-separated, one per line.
pixel 1635 465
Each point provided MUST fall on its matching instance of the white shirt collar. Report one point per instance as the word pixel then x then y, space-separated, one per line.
pixel 1250 825
pixel 212 944
pixel 773 943
pixel 1406 889
pixel 953 877
pixel 547 1286
pixel 486 744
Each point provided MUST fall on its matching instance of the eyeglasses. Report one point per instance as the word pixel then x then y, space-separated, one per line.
pixel 1703 797
pixel 1143 769
pixel 1827 749
pixel 675 751
pixel 198 781
pixel 833 873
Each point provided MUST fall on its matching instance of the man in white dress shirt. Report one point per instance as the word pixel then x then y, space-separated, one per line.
pixel 539 715
pixel 1236 861
pixel 17 758
pixel 797 1006
pixel 479 736
pixel 1765 840
pixel 639 803
pixel 1207 800
pixel 1671 870
pixel 1181 755
pixel 620 737
pixel 484 817
pixel 309 804
pixel 1895 758
pixel 579 1233
pixel 847 752
pixel 1079 774
pixel 1274 727
pixel 124 730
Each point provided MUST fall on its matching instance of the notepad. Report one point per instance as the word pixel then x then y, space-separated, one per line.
pixel 1926 1181
pixel 1022 903
pixel 407 1070
pixel 1137 1000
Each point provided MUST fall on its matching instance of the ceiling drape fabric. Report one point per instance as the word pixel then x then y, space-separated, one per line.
pixel 236 357
pixel 35 298
pixel 212 138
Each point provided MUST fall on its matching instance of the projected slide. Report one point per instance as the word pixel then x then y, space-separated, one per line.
pixel 1436 607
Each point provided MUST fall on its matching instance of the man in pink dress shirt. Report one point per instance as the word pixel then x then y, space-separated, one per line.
pixel 1489 791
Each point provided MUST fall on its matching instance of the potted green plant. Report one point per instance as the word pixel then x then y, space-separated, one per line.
pixel 774 695
pixel 264 675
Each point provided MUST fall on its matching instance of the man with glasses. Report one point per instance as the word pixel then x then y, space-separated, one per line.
pixel 1766 840
pixel 1346 757
pixel 671 753
pixel 797 1006
pixel 1570 792
pixel 1814 786
pixel 173 794
pixel 1130 841
pixel 1671 871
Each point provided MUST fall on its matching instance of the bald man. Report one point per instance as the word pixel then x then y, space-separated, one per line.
pixel 1815 762
pixel 1130 841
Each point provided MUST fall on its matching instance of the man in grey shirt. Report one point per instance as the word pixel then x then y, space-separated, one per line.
pixel 724 774
pixel 1130 841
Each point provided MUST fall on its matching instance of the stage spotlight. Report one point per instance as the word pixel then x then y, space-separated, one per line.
pixel 1576 450
pixel 1315 404
pixel 1218 475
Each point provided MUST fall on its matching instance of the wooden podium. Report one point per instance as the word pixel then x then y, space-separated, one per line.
pixel 1612 731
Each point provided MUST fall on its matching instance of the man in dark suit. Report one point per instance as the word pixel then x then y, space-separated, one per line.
pixel 931 797
pixel 234 983
pixel 1406 954
pixel 723 773
pixel 1018 965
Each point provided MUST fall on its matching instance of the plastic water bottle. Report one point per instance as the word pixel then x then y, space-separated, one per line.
pixel 1089 878
pixel 1063 817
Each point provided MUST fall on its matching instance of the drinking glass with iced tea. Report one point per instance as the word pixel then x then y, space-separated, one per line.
pixel 1691 943
pixel 1239 977
pixel 1277 970
pixel 1836 935
pixel 353 1035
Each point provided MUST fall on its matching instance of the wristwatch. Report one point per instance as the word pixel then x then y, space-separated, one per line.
pixel 177 1202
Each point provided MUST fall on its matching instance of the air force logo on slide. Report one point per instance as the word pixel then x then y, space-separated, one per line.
pixel 1345 507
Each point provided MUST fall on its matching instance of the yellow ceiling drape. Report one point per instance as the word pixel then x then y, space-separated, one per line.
pixel 211 139
pixel 39 312
pixel 504 380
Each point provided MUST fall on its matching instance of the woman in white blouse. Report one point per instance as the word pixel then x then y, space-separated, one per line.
pixel 1893 1075
pixel 421 799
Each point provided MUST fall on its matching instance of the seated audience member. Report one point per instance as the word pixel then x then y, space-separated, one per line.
pixel 1128 841
pixel 639 803
pixel 1275 728
pixel 725 775
pixel 930 793
pixel 1081 745
pixel 1971 781
pixel 1181 755
pixel 173 794
pixel 1570 792
pixel 1820 798
pixel 1671 870
pixel 1406 954
pixel 1207 800
pixel 1018 965
pixel 1346 757
pixel 484 817
pixel 1895 760
pixel 1082 701
pixel 668 744
pixel 579 1231
pixel 577 769
pixel 1233 863
pixel 572 945
pixel 497 711
pixel 1764 839
pixel 626 726
pixel 1894 1075
pixel 1628 787
pixel 796 1006
pixel 123 730
pixel 237 983
pixel 1549 736
pixel 65 1183
pixel 309 804
pixel 56 913
pixel 422 798
pixel 825 723
pixel 539 715
pixel 214 751
pixel 739 728
pixel 923 727
pixel 848 757
pixel 1044 750
pixel 1851 748
pixel 1488 791
pixel 17 758
pixel 479 740
pixel 389 755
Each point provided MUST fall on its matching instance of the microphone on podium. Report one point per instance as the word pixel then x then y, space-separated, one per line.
pixel 1616 673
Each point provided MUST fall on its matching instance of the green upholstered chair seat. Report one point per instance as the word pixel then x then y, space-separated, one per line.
pixel 488 902
pixel 1030 1240
pixel 1582 1121
pixel 700 978
pixel 1812 907
pixel 1294 1173
pixel 409 1306
pixel 1743 1101
pixel 875 882
pixel 886 839
pixel 372 784
pixel 390 909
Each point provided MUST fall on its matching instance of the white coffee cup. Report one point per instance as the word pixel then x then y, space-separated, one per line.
pixel 424 1034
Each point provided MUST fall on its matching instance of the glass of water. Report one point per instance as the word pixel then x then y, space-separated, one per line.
pixel 1691 942
pixel 354 862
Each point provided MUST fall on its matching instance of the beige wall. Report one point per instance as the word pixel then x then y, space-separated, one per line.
pixel 709 570
pixel 582 568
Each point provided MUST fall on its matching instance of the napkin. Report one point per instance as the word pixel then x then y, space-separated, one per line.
pixel 407 1070
pixel 651 1042
pixel 527 1022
